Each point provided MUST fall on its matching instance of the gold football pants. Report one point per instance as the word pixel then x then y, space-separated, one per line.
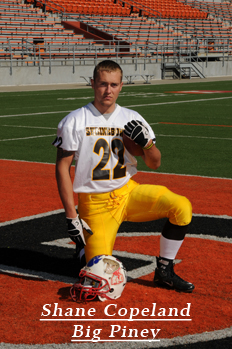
pixel 134 202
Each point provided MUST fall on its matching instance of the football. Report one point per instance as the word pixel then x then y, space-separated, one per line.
pixel 133 148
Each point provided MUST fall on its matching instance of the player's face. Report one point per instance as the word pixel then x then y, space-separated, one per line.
pixel 106 90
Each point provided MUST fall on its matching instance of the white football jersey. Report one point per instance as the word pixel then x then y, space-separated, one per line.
pixel 102 162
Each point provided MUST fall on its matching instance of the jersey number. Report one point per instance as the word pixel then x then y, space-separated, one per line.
pixel 119 171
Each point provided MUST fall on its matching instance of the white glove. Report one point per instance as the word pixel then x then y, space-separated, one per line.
pixel 75 230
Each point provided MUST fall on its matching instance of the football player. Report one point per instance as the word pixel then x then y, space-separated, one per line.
pixel 104 170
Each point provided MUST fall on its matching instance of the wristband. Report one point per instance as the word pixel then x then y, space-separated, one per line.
pixel 149 146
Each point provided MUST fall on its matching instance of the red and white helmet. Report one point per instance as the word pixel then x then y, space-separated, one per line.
pixel 103 276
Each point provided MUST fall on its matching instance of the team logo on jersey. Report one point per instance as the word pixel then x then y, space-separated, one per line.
pixel 103 131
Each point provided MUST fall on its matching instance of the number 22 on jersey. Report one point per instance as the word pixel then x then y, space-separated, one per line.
pixel 100 172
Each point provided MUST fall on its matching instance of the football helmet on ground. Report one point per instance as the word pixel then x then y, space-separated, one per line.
pixel 103 276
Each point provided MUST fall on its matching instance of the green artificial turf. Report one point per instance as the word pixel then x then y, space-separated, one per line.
pixel 193 131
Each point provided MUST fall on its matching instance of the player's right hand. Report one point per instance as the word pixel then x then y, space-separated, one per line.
pixel 75 230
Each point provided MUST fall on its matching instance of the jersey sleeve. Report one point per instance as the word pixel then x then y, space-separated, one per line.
pixel 67 134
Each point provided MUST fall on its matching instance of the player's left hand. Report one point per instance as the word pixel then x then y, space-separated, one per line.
pixel 75 230
pixel 138 132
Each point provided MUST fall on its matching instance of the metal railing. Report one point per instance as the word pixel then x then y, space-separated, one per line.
pixel 50 55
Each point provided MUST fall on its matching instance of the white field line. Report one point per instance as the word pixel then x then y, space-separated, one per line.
pixel 186 341
pixel 51 128
pixel 179 174
pixel 36 127
pixel 50 213
pixel 19 139
pixel 41 113
pixel 156 173
pixel 177 102
pixel 126 106
pixel 159 135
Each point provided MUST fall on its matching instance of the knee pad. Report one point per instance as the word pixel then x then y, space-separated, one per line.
pixel 181 213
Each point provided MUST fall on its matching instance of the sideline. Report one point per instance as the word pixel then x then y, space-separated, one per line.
pixel 83 85
pixel 157 173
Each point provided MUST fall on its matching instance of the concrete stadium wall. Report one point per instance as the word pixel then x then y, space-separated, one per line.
pixel 65 75
pixel 216 69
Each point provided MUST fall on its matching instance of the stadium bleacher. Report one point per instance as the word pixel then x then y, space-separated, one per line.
pixel 42 29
